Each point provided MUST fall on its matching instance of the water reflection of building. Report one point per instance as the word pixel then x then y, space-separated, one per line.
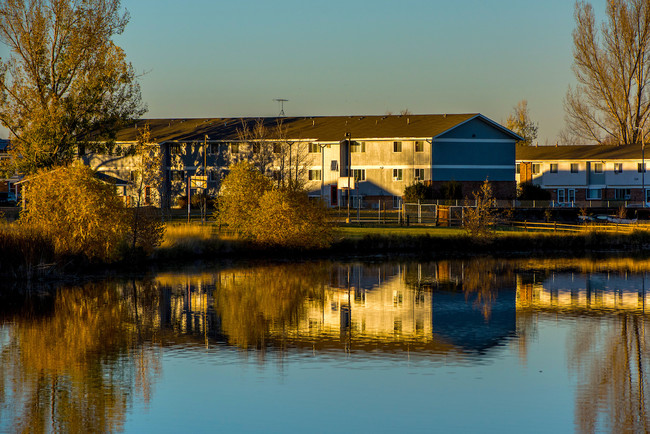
pixel 584 293
pixel 386 307
pixel 369 304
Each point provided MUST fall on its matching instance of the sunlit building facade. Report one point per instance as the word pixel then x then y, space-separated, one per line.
pixel 368 160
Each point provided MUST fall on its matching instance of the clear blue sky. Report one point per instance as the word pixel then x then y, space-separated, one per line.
pixel 213 58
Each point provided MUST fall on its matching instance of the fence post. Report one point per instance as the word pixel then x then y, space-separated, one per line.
pixel 534 204
pixel 555 227
pixel 419 212
pixel 525 226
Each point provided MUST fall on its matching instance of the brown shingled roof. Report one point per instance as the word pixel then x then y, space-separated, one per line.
pixel 322 128
pixel 581 152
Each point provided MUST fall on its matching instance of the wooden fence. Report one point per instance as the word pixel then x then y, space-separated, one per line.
pixel 587 227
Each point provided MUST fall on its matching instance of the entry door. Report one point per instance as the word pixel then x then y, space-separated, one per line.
pixel 334 197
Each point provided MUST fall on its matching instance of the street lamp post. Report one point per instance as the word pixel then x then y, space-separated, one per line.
pixel 322 170
pixel 348 136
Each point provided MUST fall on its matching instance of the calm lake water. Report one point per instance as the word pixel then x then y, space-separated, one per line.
pixel 481 345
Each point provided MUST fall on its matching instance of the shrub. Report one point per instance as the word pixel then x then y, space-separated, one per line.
pixel 251 208
pixel 417 192
pixel 290 219
pixel 530 191
pixel 479 220
pixel 80 213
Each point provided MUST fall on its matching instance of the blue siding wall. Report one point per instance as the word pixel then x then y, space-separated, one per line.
pixel 476 128
pixel 461 155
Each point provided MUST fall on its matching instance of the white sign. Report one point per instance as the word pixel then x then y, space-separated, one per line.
pixel 346 182
pixel 199 181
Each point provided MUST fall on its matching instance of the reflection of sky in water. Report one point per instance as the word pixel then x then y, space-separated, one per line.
pixel 445 347
pixel 360 393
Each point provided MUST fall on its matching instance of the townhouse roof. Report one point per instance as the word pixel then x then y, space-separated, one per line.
pixel 317 128
pixel 578 152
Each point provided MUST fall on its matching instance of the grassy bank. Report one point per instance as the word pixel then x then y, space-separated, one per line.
pixel 25 254
pixel 183 241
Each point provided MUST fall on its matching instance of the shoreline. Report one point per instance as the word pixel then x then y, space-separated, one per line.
pixel 371 247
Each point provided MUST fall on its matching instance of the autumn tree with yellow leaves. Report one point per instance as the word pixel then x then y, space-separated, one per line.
pixel 250 207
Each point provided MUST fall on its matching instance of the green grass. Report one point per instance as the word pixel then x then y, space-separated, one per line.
pixel 355 232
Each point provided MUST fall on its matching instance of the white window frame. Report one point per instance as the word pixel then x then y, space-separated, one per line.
pixel 315 174
pixel 575 167
pixel 536 168
pixel 398 174
pixel 361 173
pixel 397 146
pixel 561 195
pixel 418 174
pixel 571 195
pixel 618 168
pixel 553 168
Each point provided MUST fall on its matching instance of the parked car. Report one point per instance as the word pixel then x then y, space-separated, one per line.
pixel 7 198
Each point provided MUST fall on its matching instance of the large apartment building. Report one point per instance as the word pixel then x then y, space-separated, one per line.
pixel 375 156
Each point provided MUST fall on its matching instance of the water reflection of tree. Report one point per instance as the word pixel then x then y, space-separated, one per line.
pixel 78 369
pixel 253 301
pixel 612 375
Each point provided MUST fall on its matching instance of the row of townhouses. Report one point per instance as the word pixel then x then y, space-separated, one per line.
pixel 586 174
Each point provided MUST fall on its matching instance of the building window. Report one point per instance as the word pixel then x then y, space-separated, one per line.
pixel 397 201
pixel 574 167
pixel 518 168
pixel 397 146
pixel 177 175
pixel 622 193
pixel 598 167
pixel 213 175
pixel 358 147
pixel 277 148
pixel 213 148
pixel 334 165
pixel 537 168
pixel 234 148
pixel 314 148
pixel 553 168
pixel 397 174
pixel 560 195
pixel 641 167
pixel 419 174
pixel 315 175
pixel 175 149
pixel 359 174
pixel 618 167
pixel 419 146
pixel 594 194
pixel 571 195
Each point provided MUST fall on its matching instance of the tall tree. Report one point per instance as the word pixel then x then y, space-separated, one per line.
pixel 66 83
pixel 611 102
pixel 519 122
